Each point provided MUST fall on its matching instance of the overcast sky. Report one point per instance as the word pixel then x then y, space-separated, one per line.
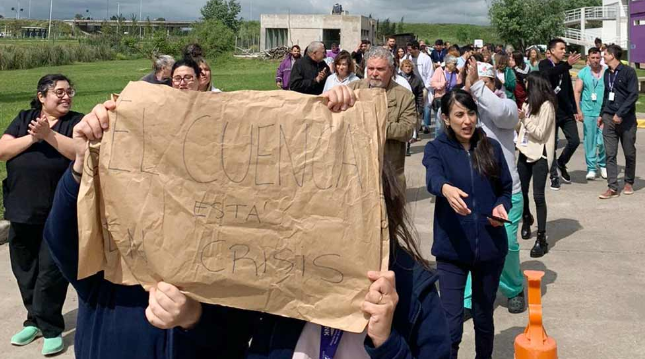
pixel 429 11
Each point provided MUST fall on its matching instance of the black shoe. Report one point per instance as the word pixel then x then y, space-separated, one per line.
pixel 555 184
pixel 541 246
pixel 426 130
pixel 563 172
pixel 468 314
pixel 527 222
pixel 517 304
pixel 407 150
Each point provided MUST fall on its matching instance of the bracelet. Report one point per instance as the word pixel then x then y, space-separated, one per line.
pixel 79 175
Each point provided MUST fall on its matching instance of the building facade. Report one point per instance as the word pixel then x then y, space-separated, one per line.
pixel 637 31
pixel 289 29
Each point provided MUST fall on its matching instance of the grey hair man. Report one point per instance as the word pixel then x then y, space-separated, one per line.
pixel 161 70
pixel 401 117
pixel 310 72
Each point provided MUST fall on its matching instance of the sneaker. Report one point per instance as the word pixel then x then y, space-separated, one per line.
pixel 517 304
pixel 53 345
pixel 591 175
pixel 26 336
pixel 563 173
pixel 555 184
pixel 603 172
pixel 609 194
pixel 628 189
pixel 426 130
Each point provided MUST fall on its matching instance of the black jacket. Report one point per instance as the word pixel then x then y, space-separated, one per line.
pixel 419 328
pixel 559 75
pixel 626 93
pixel 417 89
pixel 303 75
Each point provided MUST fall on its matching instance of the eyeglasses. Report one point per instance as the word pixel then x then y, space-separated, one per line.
pixel 60 93
pixel 187 79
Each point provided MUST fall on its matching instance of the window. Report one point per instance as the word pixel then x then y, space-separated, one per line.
pixel 331 36
pixel 275 38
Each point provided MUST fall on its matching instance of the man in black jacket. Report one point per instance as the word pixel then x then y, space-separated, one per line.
pixel 557 71
pixel 618 119
pixel 309 74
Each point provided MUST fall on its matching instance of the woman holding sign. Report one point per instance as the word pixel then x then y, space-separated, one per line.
pixel 468 174
pixel 37 148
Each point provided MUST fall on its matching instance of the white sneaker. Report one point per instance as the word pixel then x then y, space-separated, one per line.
pixel 591 175
pixel 603 172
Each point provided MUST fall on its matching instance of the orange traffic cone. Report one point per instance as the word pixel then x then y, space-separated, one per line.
pixel 534 343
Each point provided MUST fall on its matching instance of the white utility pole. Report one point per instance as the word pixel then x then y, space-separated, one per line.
pixel 140 6
pixel 51 9
pixel 29 11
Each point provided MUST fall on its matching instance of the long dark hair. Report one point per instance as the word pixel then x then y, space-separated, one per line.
pixel 538 91
pixel 402 233
pixel 44 84
pixel 483 155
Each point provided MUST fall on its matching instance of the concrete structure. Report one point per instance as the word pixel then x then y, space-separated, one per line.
pixel 91 26
pixel 289 29
pixel 614 16
pixel 623 23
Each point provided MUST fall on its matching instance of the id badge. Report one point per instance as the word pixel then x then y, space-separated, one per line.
pixel 594 97
pixel 612 95
pixel 525 139
pixel 557 90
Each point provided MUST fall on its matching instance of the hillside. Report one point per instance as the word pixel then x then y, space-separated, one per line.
pixel 454 33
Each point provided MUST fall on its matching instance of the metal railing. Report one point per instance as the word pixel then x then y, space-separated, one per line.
pixel 584 38
pixel 596 13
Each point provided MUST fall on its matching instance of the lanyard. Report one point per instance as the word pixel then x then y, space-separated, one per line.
pixel 611 82
pixel 329 341
pixel 449 80
pixel 559 83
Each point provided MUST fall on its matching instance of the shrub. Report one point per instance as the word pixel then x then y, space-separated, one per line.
pixel 26 57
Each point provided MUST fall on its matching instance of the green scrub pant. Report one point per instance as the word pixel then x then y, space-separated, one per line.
pixel 511 283
pixel 593 143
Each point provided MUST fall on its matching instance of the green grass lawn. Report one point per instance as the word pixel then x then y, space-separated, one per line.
pixel 94 82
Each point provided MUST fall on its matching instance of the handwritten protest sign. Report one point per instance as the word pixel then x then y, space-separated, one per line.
pixel 256 200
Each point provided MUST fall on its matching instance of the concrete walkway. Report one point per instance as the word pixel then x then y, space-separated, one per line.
pixel 592 293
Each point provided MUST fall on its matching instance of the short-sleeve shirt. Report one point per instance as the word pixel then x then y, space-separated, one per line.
pixel 32 176
pixel 592 85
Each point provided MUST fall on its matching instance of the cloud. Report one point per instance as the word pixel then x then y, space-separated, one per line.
pixel 426 11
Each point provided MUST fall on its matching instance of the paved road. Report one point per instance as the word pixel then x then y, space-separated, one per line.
pixel 592 293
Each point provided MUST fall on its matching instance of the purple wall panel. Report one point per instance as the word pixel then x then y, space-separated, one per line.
pixel 637 33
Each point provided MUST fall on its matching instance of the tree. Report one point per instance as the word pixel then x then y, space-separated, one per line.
pixel 463 35
pixel 78 17
pixel 576 4
pixel 160 19
pixel 214 36
pixel 226 12
pixel 1 16
pixel 522 23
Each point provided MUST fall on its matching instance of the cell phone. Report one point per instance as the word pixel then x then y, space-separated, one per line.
pixel 499 219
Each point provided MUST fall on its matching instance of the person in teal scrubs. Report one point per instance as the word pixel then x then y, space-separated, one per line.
pixel 589 91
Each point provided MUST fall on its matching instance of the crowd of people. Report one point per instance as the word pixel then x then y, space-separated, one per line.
pixel 495 113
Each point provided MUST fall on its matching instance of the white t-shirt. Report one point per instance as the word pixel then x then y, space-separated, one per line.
pixel 332 81
pixel 308 347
